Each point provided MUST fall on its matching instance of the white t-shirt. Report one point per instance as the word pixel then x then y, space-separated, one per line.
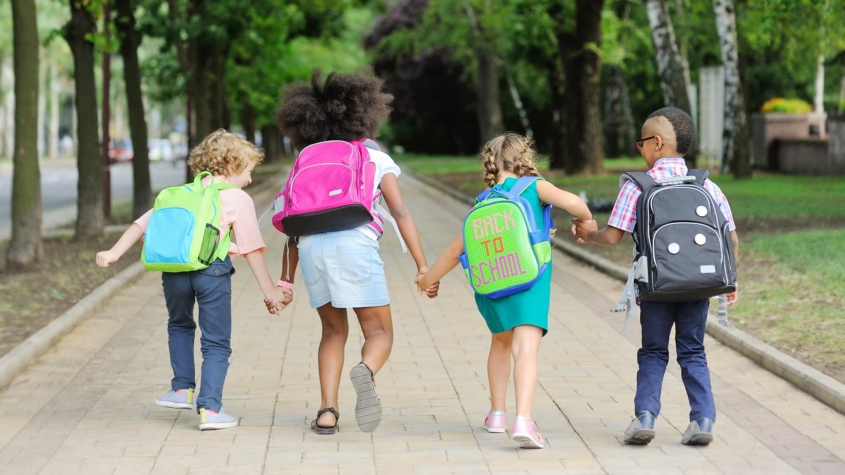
pixel 384 165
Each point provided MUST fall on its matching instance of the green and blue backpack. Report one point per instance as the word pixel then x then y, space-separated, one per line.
pixel 183 234
pixel 504 251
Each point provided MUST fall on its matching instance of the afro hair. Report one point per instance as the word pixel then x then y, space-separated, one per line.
pixel 347 106
pixel 682 124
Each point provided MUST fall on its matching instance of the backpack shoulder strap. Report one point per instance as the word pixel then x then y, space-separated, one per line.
pixel 700 175
pixel 523 184
pixel 644 181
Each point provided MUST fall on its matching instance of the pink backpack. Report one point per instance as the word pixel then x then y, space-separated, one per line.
pixel 330 188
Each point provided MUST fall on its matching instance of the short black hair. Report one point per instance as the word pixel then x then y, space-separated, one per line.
pixel 682 124
pixel 347 106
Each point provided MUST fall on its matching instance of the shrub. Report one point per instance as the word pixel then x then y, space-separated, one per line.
pixel 789 106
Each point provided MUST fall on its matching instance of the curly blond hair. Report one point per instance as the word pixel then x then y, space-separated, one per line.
pixel 224 153
pixel 508 153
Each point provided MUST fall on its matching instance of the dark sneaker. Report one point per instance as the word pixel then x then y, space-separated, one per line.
pixel 699 432
pixel 641 430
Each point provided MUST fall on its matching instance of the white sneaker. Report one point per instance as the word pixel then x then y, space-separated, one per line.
pixel 216 420
pixel 180 399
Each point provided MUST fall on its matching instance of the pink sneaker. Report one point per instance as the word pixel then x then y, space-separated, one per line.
pixel 524 432
pixel 495 422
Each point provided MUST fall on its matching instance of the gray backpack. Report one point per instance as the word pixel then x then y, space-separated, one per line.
pixel 683 247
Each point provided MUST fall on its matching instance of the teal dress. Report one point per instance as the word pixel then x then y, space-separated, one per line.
pixel 530 307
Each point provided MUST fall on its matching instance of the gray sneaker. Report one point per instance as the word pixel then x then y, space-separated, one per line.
pixel 181 399
pixel 216 420
pixel 699 432
pixel 641 430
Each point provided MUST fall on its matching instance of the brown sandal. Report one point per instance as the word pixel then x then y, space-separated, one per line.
pixel 326 430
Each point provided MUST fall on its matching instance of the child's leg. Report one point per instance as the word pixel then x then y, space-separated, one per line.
pixel 330 358
pixel 499 369
pixel 214 296
pixel 526 346
pixel 656 319
pixel 181 328
pixel 377 326
pixel 689 339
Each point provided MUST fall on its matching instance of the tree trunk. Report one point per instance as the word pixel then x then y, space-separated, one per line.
pixel 217 89
pixel 129 42
pixel 584 150
pixel 557 83
pixel 682 42
pixel 842 96
pixel 670 63
pixel 735 136
pixel 42 106
pixel 105 120
pixel 25 250
pixel 270 143
pixel 619 118
pixel 89 219
pixel 55 113
pixel 248 122
pixel 489 106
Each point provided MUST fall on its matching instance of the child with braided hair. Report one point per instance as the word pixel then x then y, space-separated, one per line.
pixel 518 321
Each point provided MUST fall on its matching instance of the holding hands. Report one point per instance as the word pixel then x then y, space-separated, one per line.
pixel 584 230
pixel 432 290
pixel 278 300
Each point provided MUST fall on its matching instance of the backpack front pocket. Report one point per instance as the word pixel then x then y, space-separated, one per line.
pixel 687 256
pixel 169 236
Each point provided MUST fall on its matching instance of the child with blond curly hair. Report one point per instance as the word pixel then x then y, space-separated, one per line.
pixel 230 160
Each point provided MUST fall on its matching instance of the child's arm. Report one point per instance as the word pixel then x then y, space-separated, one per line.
pixel 129 238
pixel 734 296
pixel 402 215
pixel 290 257
pixel 445 263
pixel 588 231
pixel 565 200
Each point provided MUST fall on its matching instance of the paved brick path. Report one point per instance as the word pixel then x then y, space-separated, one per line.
pixel 86 408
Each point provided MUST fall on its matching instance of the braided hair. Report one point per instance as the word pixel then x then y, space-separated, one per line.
pixel 508 153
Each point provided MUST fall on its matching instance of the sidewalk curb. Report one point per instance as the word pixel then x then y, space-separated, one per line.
pixel 819 385
pixel 15 362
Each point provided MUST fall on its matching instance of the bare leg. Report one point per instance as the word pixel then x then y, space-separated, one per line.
pixel 377 325
pixel 526 345
pixel 330 358
pixel 499 369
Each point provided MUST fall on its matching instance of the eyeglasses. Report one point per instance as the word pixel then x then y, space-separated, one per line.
pixel 640 142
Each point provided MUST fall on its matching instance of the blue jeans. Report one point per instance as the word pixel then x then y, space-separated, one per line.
pixel 212 290
pixel 689 319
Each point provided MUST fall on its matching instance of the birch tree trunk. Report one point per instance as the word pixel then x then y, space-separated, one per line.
pixel 90 222
pixel 735 136
pixel 25 249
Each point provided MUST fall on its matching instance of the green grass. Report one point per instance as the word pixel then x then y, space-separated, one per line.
pixel 792 294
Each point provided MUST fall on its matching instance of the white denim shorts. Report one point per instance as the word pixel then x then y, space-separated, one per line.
pixel 343 268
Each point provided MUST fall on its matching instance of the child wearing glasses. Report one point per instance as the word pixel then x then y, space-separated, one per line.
pixel 668 135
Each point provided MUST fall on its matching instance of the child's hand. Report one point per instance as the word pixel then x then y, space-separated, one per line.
pixel 582 230
pixel 432 291
pixel 732 298
pixel 107 258
pixel 276 300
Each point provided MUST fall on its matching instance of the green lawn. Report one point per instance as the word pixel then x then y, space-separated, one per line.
pixel 792 264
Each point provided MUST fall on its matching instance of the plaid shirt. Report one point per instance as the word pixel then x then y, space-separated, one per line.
pixel 624 215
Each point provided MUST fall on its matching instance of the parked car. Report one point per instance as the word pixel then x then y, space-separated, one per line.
pixel 161 149
pixel 121 151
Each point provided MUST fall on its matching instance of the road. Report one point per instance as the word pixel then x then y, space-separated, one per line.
pixel 58 189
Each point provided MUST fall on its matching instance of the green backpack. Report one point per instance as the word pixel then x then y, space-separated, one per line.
pixel 184 231
pixel 504 252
